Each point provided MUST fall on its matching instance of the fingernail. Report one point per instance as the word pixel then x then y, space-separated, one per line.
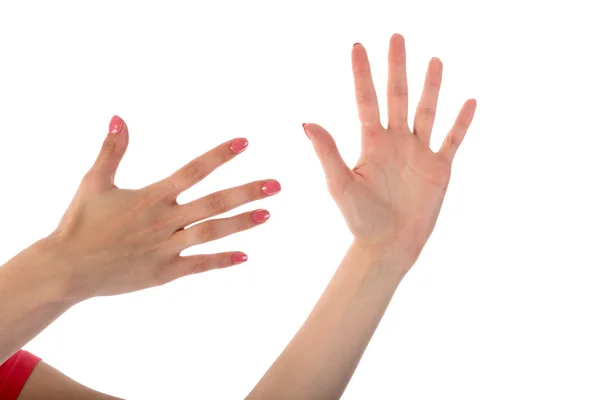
pixel 260 216
pixel 239 258
pixel 305 131
pixel 238 145
pixel 115 126
pixel 355 44
pixel 271 187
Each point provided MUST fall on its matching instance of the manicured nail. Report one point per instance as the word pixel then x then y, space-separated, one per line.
pixel 271 187
pixel 239 258
pixel 115 126
pixel 305 131
pixel 238 145
pixel 260 216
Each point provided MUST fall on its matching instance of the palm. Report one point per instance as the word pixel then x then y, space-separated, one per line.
pixel 397 187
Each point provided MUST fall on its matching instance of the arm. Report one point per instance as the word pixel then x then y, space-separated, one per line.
pixel 46 382
pixel 30 299
pixel 112 241
pixel 322 357
pixel 32 295
pixel 390 200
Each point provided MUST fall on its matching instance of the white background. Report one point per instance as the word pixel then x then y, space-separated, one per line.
pixel 503 302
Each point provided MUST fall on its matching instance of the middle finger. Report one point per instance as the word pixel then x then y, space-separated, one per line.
pixel 226 200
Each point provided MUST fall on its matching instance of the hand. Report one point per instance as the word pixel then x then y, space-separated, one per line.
pixel 393 196
pixel 115 240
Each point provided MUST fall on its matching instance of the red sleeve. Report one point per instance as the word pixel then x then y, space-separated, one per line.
pixel 15 372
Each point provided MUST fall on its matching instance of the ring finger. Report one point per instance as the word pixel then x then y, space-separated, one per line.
pixel 426 108
pixel 217 228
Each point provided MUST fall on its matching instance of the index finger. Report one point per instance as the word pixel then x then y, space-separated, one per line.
pixel 456 135
pixel 366 97
pixel 200 167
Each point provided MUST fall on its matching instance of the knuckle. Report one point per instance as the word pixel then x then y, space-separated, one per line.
pixel 199 265
pixel 109 145
pixel 398 89
pixel 427 112
pixel 217 203
pixel 194 170
pixel 160 223
pixel 206 231
pixel 365 98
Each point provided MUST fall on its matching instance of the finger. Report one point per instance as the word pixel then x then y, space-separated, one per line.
pixel 456 135
pixel 226 200
pixel 397 84
pixel 195 264
pixel 336 171
pixel 112 152
pixel 426 109
pixel 366 97
pixel 199 168
pixel 218 228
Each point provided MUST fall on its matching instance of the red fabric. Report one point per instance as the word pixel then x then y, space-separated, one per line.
pixel 15 372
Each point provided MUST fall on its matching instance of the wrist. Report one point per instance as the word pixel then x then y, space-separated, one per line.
pixel 392 258
pixel 47 262
pixel 33 280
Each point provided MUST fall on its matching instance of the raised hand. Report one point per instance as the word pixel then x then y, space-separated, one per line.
pixel 115 240
pixel 392 197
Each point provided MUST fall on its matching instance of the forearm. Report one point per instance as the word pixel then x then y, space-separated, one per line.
pixel 32 295
pixel 320 360
pixel 46 382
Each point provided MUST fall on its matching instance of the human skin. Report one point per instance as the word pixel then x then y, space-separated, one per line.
pixel 390 200
pixel 112 241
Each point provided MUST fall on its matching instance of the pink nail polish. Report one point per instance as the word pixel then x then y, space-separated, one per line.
pixel 260 216
pixel 305 131
pixel 238 145
pixel 239 258
pixel 271 187
pixel 115 126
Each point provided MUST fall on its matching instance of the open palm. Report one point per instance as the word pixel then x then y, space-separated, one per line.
pixel 393 196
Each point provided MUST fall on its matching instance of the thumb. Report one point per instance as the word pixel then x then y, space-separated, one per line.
pixel 112 151
pixel 336 170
